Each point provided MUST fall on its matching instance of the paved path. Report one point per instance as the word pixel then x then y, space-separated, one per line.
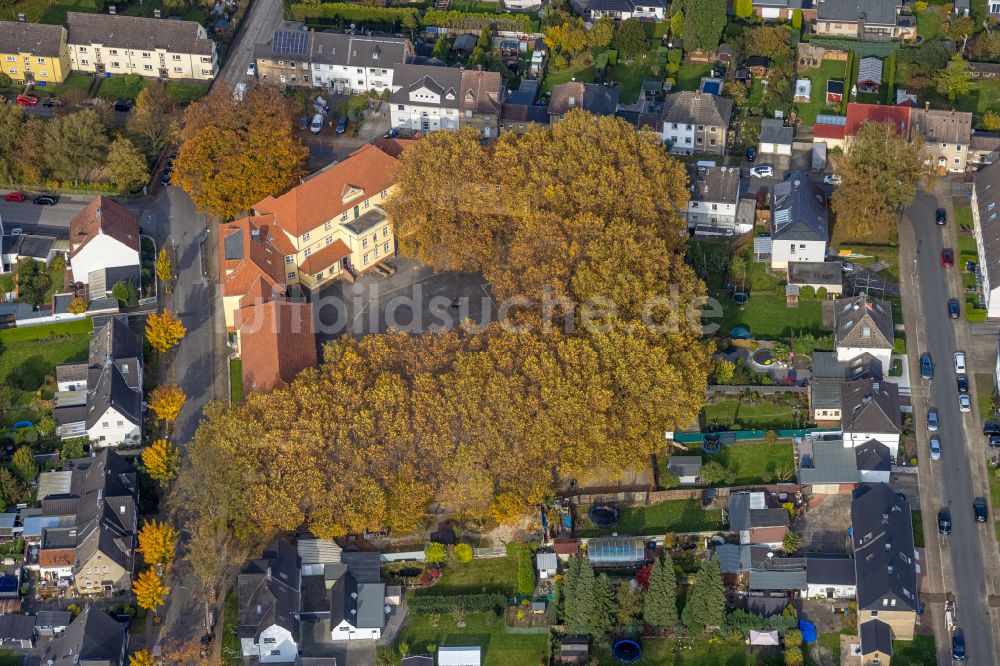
pixel 257 27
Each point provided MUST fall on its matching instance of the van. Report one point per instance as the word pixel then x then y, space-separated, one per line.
pixel 317 123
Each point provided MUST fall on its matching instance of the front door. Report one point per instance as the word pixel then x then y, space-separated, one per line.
pixel 356 208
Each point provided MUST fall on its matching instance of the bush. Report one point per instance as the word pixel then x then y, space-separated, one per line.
pixel 899 344
pixel 742 621
pixel 463 552
pixel 779 290
pixel 351 13
pixel 669 480
pixel 807 292
pixel 456 19
pixel 525 566
pixel 674 56
pixel 821 292
pixel 435 552
pixel 470 603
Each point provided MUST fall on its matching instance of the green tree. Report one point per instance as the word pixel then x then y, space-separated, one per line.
pixel 713 473
pixel 23 465
pixel 706 603
pixel 724 371
pixel 435 552
pixel 463 552
pixel 743 8
pixel 793 638
pixel 485 41
pixel 46 426
pixel 11 125
pixel 955 80
pixel 10 488
pixel 770 41
pixel 629 38
pixel 791 543
pixel 442 49
pixel 669 480
pixel 74 448
pixel 602 620
pixel 33 281
pixel 630 603
pixel 601 32
pixel 959 28
pixel 5 81
pixel 153 124
pixel 580 598
pixel 126 166
pixel 409 23
pixel 737 92
pixel 75 144
pixel 793 656
pixel 677 24
pixel 797 20
pixel 660 603
pixel 126 292
pixel 991 121
pixel 704 21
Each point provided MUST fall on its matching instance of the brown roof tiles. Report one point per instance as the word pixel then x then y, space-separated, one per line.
pixel 276 343
pixel 329 255
pixel 104 216
pixel 248 254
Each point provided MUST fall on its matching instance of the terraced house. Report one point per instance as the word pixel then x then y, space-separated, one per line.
pixel 33 52
pixel 154 48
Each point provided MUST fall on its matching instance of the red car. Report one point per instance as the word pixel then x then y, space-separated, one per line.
pixel 14 196
pixel 946 258
pixel 26 100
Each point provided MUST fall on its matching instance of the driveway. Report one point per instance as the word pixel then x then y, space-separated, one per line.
pixel 824 527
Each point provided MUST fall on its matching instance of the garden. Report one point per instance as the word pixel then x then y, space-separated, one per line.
pixel 668 516
pixel 425 633
pixel 828 70
pixel 753 411
pixel 745 464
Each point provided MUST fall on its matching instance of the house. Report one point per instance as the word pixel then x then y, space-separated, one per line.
pixel 520 118
pixel 875 20
pixel 884 559
pixel 38 247
pixel 824 401
pixel 109 44
pixel 993 8
pixel 829 131
pixel 547 564
pixel 102 236
pixel 621 10
pixel 870 75
pixel 799 229
pixel 865 366
pixel 89 520
pixel 17 631
pixel 834 92
pixel 757 524
pixel 687 468
pixel 773 576
pixel 358 610
pixel 49 624
pixel 870 410
pixel 829 576
pixel 427 98
pixel 331 226
pixel 775 137
pixel 983 149
pixel 826 466
pixel 459 656
pixel 758 66
pixel 103 397
pixel 591 97
pixel 825 275
pixel 695 122
pixel 876 643
pixel 863 325
pixel 986 228
pixel 268 603
pixel 34 52
pixel 784 9
pixel 859 114
pixel 874 460
pixel 714 201
pixel 947 136
pixel 93 638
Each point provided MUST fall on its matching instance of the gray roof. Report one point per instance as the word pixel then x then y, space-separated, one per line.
pixel 873 456
pixel 52 619
pixel 829 569
pixel 138 33
pixel 882 535
pixel 798 210
pixel 370 219
pixel 768 572
pixel 444 81
pixel 869 405
pixel 591 97
pixel 870 69
pixel 35 38
pixel 112 390
pixel 268 591
pixel 36 247
pixel 827 461
pixel 872 12
pixel 769 518
pixel 7 521
pixel 862 321
pixel 987 187
pixel 17 627
pixel 733 558
pixel 865 366
pixel 92 637
pixel 815 272
pixel 743 517
pixel 525 93
pixel 876 636
pixel 547 561
pixel 714 184
pixel 825 394
pixel 112 341
pixel 71 372
pixel 318 551
pixel 696 108
pixel 685 465
pixel 366 567
pixel 465 43
pixel 330 48
pixel 774 130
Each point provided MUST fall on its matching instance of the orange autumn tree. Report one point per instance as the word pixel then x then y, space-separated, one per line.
pixel 164 330
pixel 162 461
pixel 150 592
pixel 167 402
pixel 157 542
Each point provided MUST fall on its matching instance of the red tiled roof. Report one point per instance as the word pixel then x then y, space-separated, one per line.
pixel 104 216
pixel 859 114
pixel 56 557
pixel 393 147
pixel 276 343
pixel 321 196
pixel 570 547
pixel 824 131
pixel 257 257
pixel 321 259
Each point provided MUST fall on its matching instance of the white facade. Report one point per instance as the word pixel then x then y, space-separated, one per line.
pixel 159 63
pixel 351 80
pixel 815 590
pixel 990 292
pixel 426 110
pixel 277 645
pixel 680 136
pixel 783 251
pixel 993 7
pixel 856 439
pixel 871 476
pixel 347 632
pixel 714 213
pixel 645 12
pixel 114 429
pixel 101 252
pixel 850 353
pixel 775 148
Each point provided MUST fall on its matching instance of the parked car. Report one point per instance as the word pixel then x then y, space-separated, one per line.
pixel 252 69
pixel 304 123
pixel 317 123
pixel 980 509
pixel 935 448
pixel 993 441
pixel 846 266
pixel 960 363
pixel 51 102
pixel 964 403
pixel 944 521
pixel 45 200
pixel 122 105
pixel 947 258
pixel 991 428
pixel 342 125
pixel 26 100
pixel 165 178
pixel 762 171
pixel 751 154
pixel 932 419
pixel 14 196
pixel 958 646
pixel 954 309
pixel 926 367
pixel 963 384
pixel 940 216
pixel 832 179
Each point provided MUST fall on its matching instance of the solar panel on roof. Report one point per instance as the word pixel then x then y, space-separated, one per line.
pixel 291 43
pixel 831 120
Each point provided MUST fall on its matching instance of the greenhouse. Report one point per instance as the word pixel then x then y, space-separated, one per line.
pixel 613 551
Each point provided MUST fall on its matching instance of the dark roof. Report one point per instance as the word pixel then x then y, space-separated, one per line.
pixel 714 184
pixel 757 61
pixel 17 627
pixel 52 619
pixel 987 186
pixel 865 366
pixel 268 591
pixel 92 637
pixel 464 43
pixel 769 518
pixel 882 536
pixel 419 660
pixel 114 340
pixel 359 50
pixel 36 247
pixel 591 97
pixel 862 321
pixel 366 567
pixel 696 108
pixel 774 130
pixel 798 210
pixel 827 461
pixel 35 38
pixel 525 93
pixel 112 389
pixel 876 636
pixel 815 272
pixel 869 405
pixel 872 12
pixel 371 218
pixel 742 517
pixel 829 569
pixel 685 465
pixel 138 33
pixel 834 86
pixel 873 456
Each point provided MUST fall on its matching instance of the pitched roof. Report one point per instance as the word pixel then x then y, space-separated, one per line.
pixel 481 91
pixel 445 82
pixel 987 188
pixel 138 33
pixel 870 406
pixel 92 637
pixel 872 12
pixel 696 108
pixel 774 130
pixel 870 70
pixel 876 636
pixel 35 38
pixel 862 321
pixel 942 126
pixel 114 340
pixel 277 342
pixel 326 194
pixel 798 210
pixel 268 591
pixel 591 97
pixel 685 465
pixel 882 536
pixel 873 456
pixel 859 114
pixel 733 558
pixel 392 146
pixel 714 184
pixel 335 48
pixel 104 216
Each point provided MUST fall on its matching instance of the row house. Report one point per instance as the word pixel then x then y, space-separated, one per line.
pixel 34 52
pixel 426 98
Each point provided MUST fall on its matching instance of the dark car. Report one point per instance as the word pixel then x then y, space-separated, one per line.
pixel 991 428
pixel 980 509
pixel 165 178
pixel 926 366
pixel 122 105
pixel 751 154
pixel 993 441
pixel 940 216
pixel 958 646
pixel 304 122
pixel 45 200
pixel 342 125
pixel 944 521
pixel 954 309
pixel 963 384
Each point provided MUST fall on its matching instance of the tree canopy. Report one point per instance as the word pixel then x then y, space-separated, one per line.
pixel 704 21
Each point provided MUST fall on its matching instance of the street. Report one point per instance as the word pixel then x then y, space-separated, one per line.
pixel 958 477
pixel 259 23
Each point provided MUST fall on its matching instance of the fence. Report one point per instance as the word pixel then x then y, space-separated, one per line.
pixel 744 435
pixel 491 551
pixel 657 496
pixel 751 388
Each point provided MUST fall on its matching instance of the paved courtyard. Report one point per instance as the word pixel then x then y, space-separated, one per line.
pixel 825 526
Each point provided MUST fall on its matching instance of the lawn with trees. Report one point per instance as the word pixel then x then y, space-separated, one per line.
pixel 487 575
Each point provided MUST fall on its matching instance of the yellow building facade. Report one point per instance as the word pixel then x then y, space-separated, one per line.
pixel 34 52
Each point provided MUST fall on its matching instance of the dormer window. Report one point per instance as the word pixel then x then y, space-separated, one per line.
pixel 351 192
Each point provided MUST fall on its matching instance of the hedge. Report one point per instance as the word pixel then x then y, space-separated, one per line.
pixel 456 19
pixel 525 568
pixel 471 603
pixel 742 621
pixel 354 13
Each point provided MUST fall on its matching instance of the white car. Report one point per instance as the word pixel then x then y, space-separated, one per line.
pixel 964 404
pixel 832 179
pixel 960 363
pixel 935 448
pixel 762 171
pixel 252 69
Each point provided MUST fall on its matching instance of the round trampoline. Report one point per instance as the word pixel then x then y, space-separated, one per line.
pixel 603 515
pixel 740 333
pixel 740 298
pixel 626 651
pixel 711 446
pixel 763 357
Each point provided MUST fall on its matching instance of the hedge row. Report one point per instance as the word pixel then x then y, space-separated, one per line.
pixel 354 13
pixel 456 19
pixel 471 603
pixel 525 567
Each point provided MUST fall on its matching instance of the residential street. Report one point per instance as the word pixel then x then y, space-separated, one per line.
pixel 959 564
pixel 261 19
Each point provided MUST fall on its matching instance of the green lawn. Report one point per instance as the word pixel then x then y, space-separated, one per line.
pixel 916 518
pixel 830 641
pixel 493 574
pixel 984 96
pixel 231 650
pixel 577 70
pixel 755 462
pixel 11 658
pixel 985 388
pixel 929 24
pixel 669 516
pixel 765 414
pixel 710 651
pixel 921 651
pixel 829 69
pixel 75 81
pixel 236 381
pixel 690 74
pixel 185 92
pixel 631 76
pixel 118 87
pixel 483 629
pixel 475 6
pixel 63 328
pixel 51 11
pixel 24 364
pixel 768 317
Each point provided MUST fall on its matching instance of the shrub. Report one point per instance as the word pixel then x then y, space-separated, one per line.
pixel 674 56
pixel 779 290
pixel 463 552
pixel 807 292
pixel 471 603
pixel 821 292
pixel 435 552
pixel 669 480
pixel 525 567
pixel 351 13
pixel 899 345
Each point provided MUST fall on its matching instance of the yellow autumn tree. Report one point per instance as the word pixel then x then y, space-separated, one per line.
pixel 78 305
pixel 164 330
pixel 164 268
pixel 162 461
pixel 157 542
pixel 150 592
pixel 142 658
pixel 167 401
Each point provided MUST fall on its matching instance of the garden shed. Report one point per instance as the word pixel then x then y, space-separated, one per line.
pixel 616 551
pixel 764 638
pixel 803 90
pixel 548 564
pixel 870 75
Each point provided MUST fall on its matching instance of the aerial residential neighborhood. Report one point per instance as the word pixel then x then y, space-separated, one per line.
pixel 500 332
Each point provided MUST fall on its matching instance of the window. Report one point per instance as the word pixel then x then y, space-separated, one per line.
pixel 11 59
pixel 791 249
pixel 305 236
pixel 374 238
pixel 83 49
pixel 385 232
pixel 364 242
pixel 344 216
pixel 385 247
pixel 121 423
pixel 275 652
pixel 701 128
pixel 177 57
pixel 84 62
pixel 319 276
pixel 148 68
pixel 41 61
pixel 399 107
pixel 327 226
pixel 673 126
pixel 366 258
pixel 687 140
pixel 269 641
pixel 112 51
pixel 115 64
pixel 145 54
pixel 958 160
pixel 308 251
pixel 290 276
pixel 104 424
pixel 290 259
pixel 178 70
pixel 367 203
pixel 281 63
pixel 944 145
pixel 802 246
pixel 376 251
pixel 714 128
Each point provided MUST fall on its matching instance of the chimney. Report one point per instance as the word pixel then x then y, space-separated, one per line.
pixel 927 105
pixel 269 573
pixel 156 13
